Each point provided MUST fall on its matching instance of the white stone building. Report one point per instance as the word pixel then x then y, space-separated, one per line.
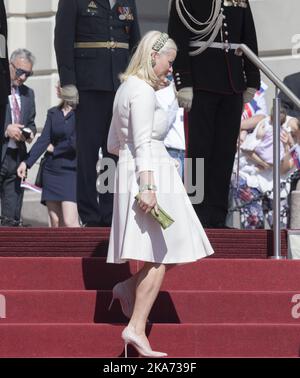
pixel 31 25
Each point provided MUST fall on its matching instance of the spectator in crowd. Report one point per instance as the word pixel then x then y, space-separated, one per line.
pixel 255 186
pixel 93 41
pixel 4 72
pixel 139 125
pixel 254 112
pixel 175 139
pixel 59 173
pixel 19 128
pixel 293 83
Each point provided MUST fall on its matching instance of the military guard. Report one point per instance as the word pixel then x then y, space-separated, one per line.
pixel 4 72
pixel 93 41
pixel 213 80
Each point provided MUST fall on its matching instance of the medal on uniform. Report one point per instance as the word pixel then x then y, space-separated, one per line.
pixel 92 8
pixel 121 13
pixel 130 15
pixel 125 13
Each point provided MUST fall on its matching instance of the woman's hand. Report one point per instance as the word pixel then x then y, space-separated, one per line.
pixel 50 148
pixel 284 137
pixel 22 170
pixel 148 201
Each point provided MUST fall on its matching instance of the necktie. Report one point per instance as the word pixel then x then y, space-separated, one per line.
pixel 15 106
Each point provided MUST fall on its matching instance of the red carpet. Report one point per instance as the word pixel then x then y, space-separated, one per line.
pixel 87 242
pixel 217 307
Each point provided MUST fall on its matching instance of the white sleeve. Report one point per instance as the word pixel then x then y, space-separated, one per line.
pixel 113 143
pixel 142 108
pixel 251 141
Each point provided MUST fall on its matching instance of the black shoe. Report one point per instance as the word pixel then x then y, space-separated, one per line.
pixel 6 222
pixel 21 224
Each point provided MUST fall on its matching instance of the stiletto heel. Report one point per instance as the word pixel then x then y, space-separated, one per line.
pixel 130 337
pixel 120 292
pixel 111 303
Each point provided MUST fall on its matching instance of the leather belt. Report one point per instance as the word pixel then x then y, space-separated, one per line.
pixel 101 45
pixel 216 45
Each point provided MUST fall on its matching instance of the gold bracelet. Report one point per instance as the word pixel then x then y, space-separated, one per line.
pixel 145 187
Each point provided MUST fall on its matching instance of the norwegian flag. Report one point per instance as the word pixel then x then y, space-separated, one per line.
pixel 252 107
pixel 295 153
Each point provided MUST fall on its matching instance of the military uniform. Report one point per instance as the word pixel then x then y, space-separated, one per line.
pixel 219 76
pixel 4 72
pixel 93 42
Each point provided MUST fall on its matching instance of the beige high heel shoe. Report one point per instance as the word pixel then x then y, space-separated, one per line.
pixel 121 292
pixel 130 337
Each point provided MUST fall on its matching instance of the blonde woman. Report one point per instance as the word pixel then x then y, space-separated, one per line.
pixel 136 135
pixel 59 173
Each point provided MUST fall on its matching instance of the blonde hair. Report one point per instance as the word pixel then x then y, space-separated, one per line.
pixel 140 64
pixel 69 96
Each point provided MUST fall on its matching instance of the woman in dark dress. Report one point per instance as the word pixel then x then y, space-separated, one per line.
pixel 59 173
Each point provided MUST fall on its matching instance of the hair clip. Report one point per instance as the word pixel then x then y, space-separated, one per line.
pixel 159 44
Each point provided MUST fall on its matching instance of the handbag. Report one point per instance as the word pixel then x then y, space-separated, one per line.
pixel 39 175
pixel 161 217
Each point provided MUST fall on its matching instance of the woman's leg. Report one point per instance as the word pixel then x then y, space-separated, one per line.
pixel 131 282
pixel 149 280
pixel 148 283
pixel 55 213
pixel 126 290
pixel 70 214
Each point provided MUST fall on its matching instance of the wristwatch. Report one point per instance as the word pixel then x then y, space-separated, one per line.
pixel 145 187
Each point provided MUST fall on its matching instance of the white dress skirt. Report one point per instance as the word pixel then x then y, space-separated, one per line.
pixel 136 235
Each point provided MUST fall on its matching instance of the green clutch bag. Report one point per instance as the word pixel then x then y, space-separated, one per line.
pixel 162 217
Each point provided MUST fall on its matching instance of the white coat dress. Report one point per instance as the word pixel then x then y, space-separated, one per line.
pixel 138 128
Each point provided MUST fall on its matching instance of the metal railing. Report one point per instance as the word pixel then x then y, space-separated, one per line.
pixel 276 142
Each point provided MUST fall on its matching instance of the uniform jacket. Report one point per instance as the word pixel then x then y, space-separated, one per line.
pixel 27 118
pixel 60 132
pixel 215 70
pixel 94 21
pixel 293 83
pixel 4 69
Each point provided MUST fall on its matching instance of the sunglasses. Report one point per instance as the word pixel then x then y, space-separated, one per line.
pixel 20 72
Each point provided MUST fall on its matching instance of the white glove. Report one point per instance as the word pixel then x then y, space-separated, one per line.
pixel 185 98
pixel 249 94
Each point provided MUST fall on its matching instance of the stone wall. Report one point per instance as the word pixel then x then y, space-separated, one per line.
pixel 31 25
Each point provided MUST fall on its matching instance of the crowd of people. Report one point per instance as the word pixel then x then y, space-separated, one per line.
pixel 213 126
pixel 251 189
